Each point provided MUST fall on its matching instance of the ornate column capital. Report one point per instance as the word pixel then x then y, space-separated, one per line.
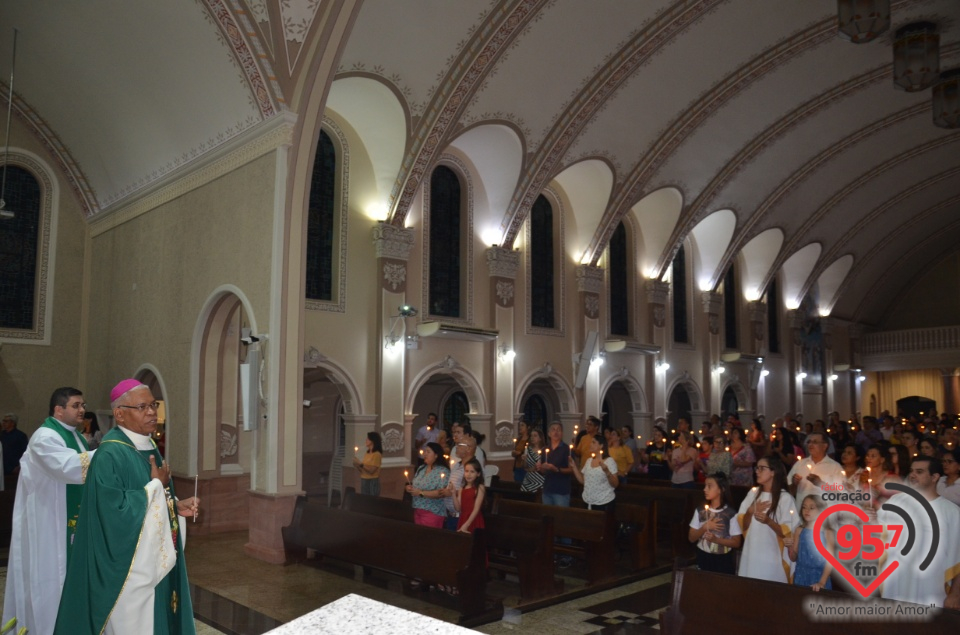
pixel 589 279
pixel 658 291
pixel 758 316
pixel 502 262
pixel 712 302
pixel 392 242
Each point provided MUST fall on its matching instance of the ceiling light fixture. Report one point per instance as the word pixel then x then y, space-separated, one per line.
pixel 862 21
pixel 946 99
pixel 916 56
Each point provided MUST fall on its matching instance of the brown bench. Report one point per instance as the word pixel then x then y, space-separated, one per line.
pixel 596 530
pixel 675 507
pixel 397 547
pixel 519 545
pixel 704 602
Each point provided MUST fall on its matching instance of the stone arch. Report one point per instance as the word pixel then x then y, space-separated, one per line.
pixel 215 356
pixel 741 393
pixel 566 401
pixel 638 400
pixel 151 377
pixel 449 366
pixel 693 391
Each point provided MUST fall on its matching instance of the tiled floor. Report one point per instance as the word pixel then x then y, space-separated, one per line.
pixel 242 595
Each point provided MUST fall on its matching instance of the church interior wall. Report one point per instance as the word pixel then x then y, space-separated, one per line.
pixel 932 300
pixel 151 277
pixel 30 372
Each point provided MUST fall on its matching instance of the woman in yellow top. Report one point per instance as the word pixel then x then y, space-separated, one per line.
pixel 619 453
pixel 370 466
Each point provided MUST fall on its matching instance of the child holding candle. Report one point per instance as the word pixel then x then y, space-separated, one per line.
pixel 715 528
pixel 598 476
pixel 812 569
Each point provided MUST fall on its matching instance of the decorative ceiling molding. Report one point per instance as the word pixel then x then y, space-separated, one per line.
pixel 450 100
pixel 590 99
pixel 906 256
pixel 267 99
pixel 71 170
pixel 828 256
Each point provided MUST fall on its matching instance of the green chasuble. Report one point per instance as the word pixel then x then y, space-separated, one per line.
pixel 111 519
pixel 74 492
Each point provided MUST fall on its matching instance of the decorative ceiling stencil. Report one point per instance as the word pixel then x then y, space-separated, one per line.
pixel 298 17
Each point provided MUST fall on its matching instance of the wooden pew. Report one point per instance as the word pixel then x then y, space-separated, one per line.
pixel 641 517
pixel 524 545
pixel 704 602
pixel 530 542
pixel 675 508
pixel 395 546
pixel 596 530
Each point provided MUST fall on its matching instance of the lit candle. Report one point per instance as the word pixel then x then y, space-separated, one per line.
pixel 514 440
pixel 799 458
pixel 727 449
pixel 356 449
pixel 443 475
pixel 698 444
pixel 452 462
pixel 571 447
pixel 593 455
pixel 421 452
pixel 639 436
pixel 195 483
pixel 809 467
pixel 406 476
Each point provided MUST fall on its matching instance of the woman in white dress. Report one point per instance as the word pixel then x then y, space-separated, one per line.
pixel 768 516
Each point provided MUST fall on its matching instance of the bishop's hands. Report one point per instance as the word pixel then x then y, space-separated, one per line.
pixel 161 473
pixel 188 507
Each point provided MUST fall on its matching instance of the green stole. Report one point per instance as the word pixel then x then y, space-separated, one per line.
pixel 74 492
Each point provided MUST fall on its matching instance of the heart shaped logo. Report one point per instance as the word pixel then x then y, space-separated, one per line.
pixel 838 566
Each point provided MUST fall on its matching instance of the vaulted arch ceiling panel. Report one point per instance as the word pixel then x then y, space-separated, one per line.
pixel 711 236
pixel 375 114
pixel 796 270
pixel 587 186
pixel 123 87
pixel 410 43
pixel 758 256
pixel 497 153
pixel 830 280
pixel 656 215
pixel 560 50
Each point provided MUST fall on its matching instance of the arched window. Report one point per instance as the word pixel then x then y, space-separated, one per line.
pixel 773 317
pixel 679 277
pixel 730 309
pixel 446 209
pixel 619 286
pixel 454 410
pixel 320 221
pixel 535 412
pixel 541 264
pixel 19 246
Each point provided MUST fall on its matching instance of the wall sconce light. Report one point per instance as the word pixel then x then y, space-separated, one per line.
pixel 801 375
pixel 662 367
pixel 390 342
pixel 764 372
pixel 599 359
pixel 506 353
pixel 719 369
pixel 861 378
pixel 833 377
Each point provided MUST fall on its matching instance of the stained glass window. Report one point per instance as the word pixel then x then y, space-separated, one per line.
pixel 445 242
pixel 619 296
pixel 541 264
pixel 18 250
pixel 320 221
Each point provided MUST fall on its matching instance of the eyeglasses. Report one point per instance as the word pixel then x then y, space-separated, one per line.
pixel 145 406
pixel 762 467
pixel 77 406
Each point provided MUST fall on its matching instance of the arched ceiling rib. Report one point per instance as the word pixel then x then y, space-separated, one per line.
pixel 748 105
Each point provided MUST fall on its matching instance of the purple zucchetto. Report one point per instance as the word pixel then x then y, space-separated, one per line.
pixel 123 387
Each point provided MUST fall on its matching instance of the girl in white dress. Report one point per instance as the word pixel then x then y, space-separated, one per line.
pixel 767 515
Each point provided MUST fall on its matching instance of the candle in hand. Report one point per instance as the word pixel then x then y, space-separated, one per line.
pixel 406 476
pixel 356 449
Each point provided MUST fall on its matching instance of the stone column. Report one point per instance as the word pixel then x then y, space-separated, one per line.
pixel 589 289
pixel 794 361
pixel 392 246
pixel 712 303
pixel 502 267
pixel 658 297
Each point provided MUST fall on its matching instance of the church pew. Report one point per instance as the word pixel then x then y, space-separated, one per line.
pixel 675 508
pixel 524 545
pixel 704 602
pixel 395 546
pixel 529 541
pixel 596 530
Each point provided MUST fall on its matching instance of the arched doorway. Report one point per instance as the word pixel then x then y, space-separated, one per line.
pixel 150 379
pixel 915 406
pixel 323 429
pixel 729 404
pixel 679 406
pixel 539 404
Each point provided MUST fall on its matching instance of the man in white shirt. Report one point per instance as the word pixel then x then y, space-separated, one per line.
pixel 939 582
pixel 49 491
pixel 807 476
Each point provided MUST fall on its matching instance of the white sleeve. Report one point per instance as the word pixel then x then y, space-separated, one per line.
pixel 695 521
pixel 57 461
pixel 735 529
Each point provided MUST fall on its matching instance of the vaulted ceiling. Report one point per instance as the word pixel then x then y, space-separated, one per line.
pixel 747 126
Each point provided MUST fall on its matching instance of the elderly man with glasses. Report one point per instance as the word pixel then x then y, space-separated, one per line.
pixel 809 475
pixel 49 490
pixel 129 538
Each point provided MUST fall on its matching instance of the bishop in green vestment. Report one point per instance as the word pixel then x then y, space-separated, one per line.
pixel 127 572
